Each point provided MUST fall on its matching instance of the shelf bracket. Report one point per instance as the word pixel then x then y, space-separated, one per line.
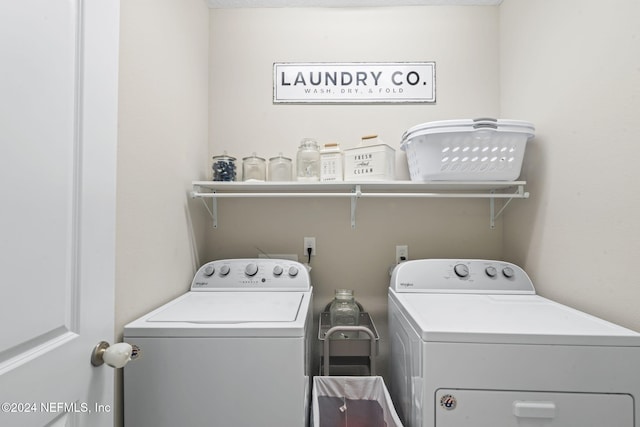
pixel 493 216
pixel 214 210
pixel 356 192
pixel 492 211
pixel 214 206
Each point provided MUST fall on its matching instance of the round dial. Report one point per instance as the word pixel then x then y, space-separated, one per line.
pixel 293 271
pixel 508 272
pixel 224 270
pixel 491 271
pixel 277 270
pixel 251 269
pixel 461 270
pixel 209 270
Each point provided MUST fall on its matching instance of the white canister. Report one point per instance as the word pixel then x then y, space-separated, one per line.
pixel 331 163
pixel 373 160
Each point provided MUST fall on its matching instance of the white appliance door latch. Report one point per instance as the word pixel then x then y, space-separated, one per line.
pixel 532 409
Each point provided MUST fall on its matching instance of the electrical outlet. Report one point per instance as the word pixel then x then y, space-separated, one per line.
pixel 402 253
pixel 310 242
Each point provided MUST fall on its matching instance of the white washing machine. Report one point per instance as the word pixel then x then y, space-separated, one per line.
pixel 473 345
pixel 234 351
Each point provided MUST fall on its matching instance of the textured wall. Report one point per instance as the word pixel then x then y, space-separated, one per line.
pixel 244 44
pixel 162 144
pixel 578 80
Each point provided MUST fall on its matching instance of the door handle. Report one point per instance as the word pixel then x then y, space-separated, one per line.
pixel 116 355
pixel 531 409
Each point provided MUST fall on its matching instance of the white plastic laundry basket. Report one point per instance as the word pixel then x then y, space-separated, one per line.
pixel 467 150
pixel 352 402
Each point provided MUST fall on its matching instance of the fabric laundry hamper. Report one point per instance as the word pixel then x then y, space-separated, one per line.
pixel 352 402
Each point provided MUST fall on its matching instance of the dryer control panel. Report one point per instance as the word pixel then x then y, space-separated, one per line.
pixel 460 276
pixel 252 274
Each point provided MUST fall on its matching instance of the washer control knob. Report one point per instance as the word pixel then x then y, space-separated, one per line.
pixel 508 272
pixel 251 269
pixel 491 271
pixel 209 270
pixel 293 271
pixel 224 270
pixel 277 270
pixel 461 270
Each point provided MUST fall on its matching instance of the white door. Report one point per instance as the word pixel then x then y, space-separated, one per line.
pixel 58 130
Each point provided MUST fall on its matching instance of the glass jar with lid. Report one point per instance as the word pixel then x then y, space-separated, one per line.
pixel 344 311
pixel 254 168
pixel 279 168
pixel 223 168
pixel 308 160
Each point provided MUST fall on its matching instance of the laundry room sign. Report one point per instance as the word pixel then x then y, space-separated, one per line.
pixel 374 82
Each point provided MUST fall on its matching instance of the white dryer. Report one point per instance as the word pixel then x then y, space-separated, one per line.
pixel 234 351
pixel 473 345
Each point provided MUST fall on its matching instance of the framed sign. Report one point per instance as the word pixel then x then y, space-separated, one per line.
pixel 361 82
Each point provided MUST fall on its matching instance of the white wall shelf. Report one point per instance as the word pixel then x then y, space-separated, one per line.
pixel 507 190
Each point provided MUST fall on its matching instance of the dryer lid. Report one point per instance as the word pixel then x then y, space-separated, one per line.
pixel 232 307
pixel 508 319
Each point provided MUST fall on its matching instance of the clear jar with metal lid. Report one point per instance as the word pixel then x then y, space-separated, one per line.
pixel 254 168
pixel 344 311
pixel 279 168
pixel 308 160
pixel 223 168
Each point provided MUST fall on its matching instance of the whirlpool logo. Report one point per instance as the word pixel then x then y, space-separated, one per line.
pixel 406 285
pixel 448 402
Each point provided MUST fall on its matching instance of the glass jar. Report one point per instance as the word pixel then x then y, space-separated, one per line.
pixel 344 311
pixel 254 168
pixel 224 168
pixel 308 160
pixel 280 168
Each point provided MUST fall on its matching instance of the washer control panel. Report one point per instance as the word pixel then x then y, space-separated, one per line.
pixel 252 274
pixel 460 276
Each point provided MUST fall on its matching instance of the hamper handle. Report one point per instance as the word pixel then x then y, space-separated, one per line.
pixel 485 122
pixel 372 349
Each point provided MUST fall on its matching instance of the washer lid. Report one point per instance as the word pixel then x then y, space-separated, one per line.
pixel 227 314
pixel 232 307
pixel 508 319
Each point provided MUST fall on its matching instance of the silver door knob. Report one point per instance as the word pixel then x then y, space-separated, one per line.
pixel 116 355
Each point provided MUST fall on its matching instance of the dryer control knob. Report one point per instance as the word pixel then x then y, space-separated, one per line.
pixel 209 270
pixel 277 270
pixel 461 270
pixel 224 270
pixel 251 269
pixel 293 271
pixel 508 272
pixel 491 271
